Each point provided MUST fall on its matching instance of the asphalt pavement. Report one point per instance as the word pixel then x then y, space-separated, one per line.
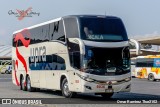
pixel 141 89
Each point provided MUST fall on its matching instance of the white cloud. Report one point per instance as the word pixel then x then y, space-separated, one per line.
pixel 3 36
pixel 154 34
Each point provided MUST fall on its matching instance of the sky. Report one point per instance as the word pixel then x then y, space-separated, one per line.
pixel 141 17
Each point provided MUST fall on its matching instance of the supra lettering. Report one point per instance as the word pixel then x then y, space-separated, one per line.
pixel 98 37
pixel 38 54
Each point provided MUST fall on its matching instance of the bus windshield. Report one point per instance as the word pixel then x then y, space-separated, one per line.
pixel 102 29
pixel 107 61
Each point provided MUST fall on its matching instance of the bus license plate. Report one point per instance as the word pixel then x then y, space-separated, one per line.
pixel 109 90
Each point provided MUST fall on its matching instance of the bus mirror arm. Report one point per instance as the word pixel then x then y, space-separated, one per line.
pixel 137 46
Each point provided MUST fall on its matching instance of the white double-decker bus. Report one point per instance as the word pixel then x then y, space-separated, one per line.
pixel 74 54
pixel 148 67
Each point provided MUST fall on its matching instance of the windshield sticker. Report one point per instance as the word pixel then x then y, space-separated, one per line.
pixel 98 37
pixel 157 62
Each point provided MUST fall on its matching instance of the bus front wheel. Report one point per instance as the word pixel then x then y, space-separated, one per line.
pixel 65 89
pixel 151 77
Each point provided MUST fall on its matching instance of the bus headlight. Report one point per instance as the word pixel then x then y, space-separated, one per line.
pixel 86 78
pixel 128 79
pixel 128 68
pixel 89 80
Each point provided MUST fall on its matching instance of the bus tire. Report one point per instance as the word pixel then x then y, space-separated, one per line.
pixel 22 84
pixel 37 89
pixel 65 89
pixel 6 72
pixel 107 95
pixel 151 77
pixel 28 85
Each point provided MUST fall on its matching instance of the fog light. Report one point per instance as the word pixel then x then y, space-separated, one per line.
pixel 88 87
pixel 128 86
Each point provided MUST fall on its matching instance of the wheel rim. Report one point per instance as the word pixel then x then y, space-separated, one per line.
pixel 151 77
pixel 66 89
pixel 22 83
pixel 28 84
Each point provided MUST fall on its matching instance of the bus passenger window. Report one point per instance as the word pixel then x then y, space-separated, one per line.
pixel 75 60
pixel 74 54
pixel 62 38
pixel 60 63
pixel 57 31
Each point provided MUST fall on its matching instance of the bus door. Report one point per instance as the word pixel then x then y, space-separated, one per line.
pixel 75 62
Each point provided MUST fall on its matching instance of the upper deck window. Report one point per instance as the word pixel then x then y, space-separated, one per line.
pixel 71 28
pixel 102 29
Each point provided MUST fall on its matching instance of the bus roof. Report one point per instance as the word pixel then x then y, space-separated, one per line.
pixel 90 16
pixel 37 25
pixel 69 16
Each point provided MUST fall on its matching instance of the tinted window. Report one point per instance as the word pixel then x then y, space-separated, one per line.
pixel 74 54
pixel 102 29
pixel 39 34
pixel 53 62
pixel 60 63
pixel 145 62
pixel 71 28
pixel 53 31
pixel 57 31
pixel 13 41
pixel 5 62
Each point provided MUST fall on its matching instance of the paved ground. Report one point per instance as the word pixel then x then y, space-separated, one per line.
pixel 141 89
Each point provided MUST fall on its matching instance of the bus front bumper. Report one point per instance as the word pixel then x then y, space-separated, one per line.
pixel 102 88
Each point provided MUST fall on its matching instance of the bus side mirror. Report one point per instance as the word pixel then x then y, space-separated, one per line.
pixel 134 47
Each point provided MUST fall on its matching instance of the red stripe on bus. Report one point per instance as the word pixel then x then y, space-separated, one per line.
pixel 21 36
